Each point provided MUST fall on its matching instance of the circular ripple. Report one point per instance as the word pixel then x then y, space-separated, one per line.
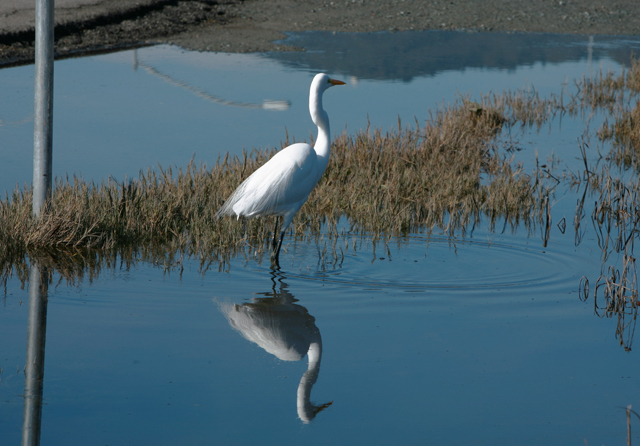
pixel 417 263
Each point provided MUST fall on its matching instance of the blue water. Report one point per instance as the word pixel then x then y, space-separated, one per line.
pixel 425 340
pixel 113 117
pixel 141 357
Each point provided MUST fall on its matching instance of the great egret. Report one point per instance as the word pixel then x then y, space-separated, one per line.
pixel 282 185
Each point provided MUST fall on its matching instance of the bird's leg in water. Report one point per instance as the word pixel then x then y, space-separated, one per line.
pixel 276 245
pixel 275 257
pixel 274 241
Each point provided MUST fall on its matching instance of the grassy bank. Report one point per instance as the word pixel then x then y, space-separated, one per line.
pixel 392 183
pixel 451 172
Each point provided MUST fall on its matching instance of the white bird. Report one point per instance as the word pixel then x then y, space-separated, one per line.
pixel 282 185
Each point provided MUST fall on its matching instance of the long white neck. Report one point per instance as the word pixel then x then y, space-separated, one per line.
pixel 321 119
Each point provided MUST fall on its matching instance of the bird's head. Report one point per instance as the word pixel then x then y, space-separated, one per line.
pixel 321 82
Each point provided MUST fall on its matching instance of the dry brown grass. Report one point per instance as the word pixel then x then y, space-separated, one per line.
pixel 618 95
pixel 616 211
pixel 615 295
pixel 446 174
pixel 528 108
pixel 625 133
pixel 616 221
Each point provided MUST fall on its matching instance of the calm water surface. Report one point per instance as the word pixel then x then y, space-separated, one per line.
pixel 424 340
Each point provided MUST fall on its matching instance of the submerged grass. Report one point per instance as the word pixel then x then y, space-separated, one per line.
pixel 615 187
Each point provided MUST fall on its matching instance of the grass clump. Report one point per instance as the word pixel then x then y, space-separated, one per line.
pixel 449 173
pixel 625 134
pixel 445 174
pixel 610 91
pixel 618 95
pixel 616 211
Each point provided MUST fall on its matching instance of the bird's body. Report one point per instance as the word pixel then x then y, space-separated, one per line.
pixel 279 187
pixel 282 185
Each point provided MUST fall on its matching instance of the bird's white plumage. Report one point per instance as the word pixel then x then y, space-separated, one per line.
pixel 279 187
pixel 283 184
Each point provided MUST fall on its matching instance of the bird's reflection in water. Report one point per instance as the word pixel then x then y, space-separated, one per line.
pixel 286 330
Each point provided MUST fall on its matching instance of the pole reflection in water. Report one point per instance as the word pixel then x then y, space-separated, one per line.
pixel 34 368
pixel 267 104
pixel 287 331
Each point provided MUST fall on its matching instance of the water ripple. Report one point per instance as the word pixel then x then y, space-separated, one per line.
pixel 421 263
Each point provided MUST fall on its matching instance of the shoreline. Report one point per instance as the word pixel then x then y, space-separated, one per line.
pixel 245 26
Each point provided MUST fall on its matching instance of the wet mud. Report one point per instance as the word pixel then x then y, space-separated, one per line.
pixel 257 25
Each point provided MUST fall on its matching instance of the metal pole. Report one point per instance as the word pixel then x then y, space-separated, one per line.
pixel 34 368
pixel 43 120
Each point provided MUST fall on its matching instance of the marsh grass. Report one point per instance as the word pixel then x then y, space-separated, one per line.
pixel 411 180
pixel 610 90
pixel 616 296
pixel 625 134
pixel 616 211
pixel 616 221
pixel 446 174
pixel 618 94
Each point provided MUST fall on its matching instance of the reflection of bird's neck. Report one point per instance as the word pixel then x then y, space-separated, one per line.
pixel 321 119
pixel 306 410
pixel 315 355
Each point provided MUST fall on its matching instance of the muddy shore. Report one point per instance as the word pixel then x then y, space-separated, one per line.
pixel 254 25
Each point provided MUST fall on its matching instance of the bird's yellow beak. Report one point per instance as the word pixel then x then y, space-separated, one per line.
pixel 335 82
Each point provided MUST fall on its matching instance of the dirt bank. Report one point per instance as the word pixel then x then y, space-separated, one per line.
pixel 253 25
